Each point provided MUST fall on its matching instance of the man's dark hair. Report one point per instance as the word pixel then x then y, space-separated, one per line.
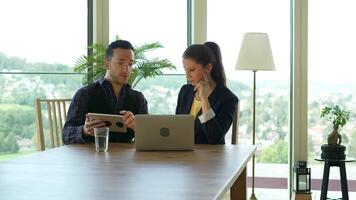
pixel 122 44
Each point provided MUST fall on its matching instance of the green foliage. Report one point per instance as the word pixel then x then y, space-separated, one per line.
pixel 16 119
pixel 311 150
pixel 93 64
pixel 314 113
pixel 280 116
pixel 335 115
pixel 277 153
pixel 2 142
pixel 143 66
pixel 352 145
pixel 8 144
pixel 161 98
pixel 12 145
pixel 21 65
pixel 24 88
pixel 18 92
pixel 12 63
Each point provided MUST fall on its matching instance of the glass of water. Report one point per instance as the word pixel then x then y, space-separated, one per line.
pixel 101 138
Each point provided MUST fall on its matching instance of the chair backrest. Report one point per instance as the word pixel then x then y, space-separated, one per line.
pixel 56 116
pixel 235 125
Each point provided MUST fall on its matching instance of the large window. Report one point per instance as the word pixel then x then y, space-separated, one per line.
pixel 331 71
pixel 162 92
pixel 154 21
pixel 40 41
pixel 227 23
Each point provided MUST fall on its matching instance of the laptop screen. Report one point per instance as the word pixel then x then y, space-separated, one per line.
pixel 164 132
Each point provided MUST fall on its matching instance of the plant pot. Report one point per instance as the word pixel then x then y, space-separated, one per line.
pixel 331 151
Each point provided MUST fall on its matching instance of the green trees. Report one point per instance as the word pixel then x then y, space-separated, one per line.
pixel 16 119
pixel 16 122
pixel 277 153
pixel 8 144
pixel 18 92
pixel 352 146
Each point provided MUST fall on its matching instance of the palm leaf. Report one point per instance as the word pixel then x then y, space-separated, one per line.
pixel 143 67
pixel 140 51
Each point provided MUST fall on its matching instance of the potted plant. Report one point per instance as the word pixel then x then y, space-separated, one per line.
pixel 143 67
pixel 338 117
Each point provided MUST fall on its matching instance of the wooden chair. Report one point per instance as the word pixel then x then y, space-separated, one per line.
pixel 235 125
pixel 56 116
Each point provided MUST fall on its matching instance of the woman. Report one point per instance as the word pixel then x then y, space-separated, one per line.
pixel 206 96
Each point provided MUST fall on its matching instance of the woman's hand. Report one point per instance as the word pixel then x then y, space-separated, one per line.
pixel 202 90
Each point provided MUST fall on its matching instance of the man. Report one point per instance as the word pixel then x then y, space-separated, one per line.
pixel 110 95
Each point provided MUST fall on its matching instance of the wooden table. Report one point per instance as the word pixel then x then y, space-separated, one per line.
pixel 78 172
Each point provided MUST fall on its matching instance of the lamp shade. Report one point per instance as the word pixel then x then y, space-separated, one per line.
pixel 255 53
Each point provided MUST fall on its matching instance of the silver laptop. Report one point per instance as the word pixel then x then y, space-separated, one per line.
pixel 164 132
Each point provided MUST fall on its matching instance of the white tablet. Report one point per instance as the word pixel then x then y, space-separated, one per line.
pixel 114 122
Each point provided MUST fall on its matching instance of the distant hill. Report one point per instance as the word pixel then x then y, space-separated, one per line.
pixel 16 64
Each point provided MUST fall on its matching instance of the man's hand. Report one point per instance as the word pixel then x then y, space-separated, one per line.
pixel 88 128
pixel 129 119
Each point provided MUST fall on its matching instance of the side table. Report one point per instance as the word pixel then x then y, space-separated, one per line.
pixel 343 179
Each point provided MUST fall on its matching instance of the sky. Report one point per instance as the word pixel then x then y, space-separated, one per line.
pixel 55 32
pixel 44 30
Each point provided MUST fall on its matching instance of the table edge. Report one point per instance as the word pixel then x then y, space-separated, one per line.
pixel 232 180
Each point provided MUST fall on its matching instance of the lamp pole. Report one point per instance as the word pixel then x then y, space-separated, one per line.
pixel 253 197
pixel 255 54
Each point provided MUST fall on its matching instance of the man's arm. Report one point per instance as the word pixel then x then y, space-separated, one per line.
pixel 73 128
pixel 142 105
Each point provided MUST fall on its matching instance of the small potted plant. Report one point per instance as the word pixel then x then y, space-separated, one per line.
pixel 338 118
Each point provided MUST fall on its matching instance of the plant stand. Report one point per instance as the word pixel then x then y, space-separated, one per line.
pixel 343 179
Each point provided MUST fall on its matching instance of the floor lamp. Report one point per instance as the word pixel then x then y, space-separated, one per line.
pixel 255 55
